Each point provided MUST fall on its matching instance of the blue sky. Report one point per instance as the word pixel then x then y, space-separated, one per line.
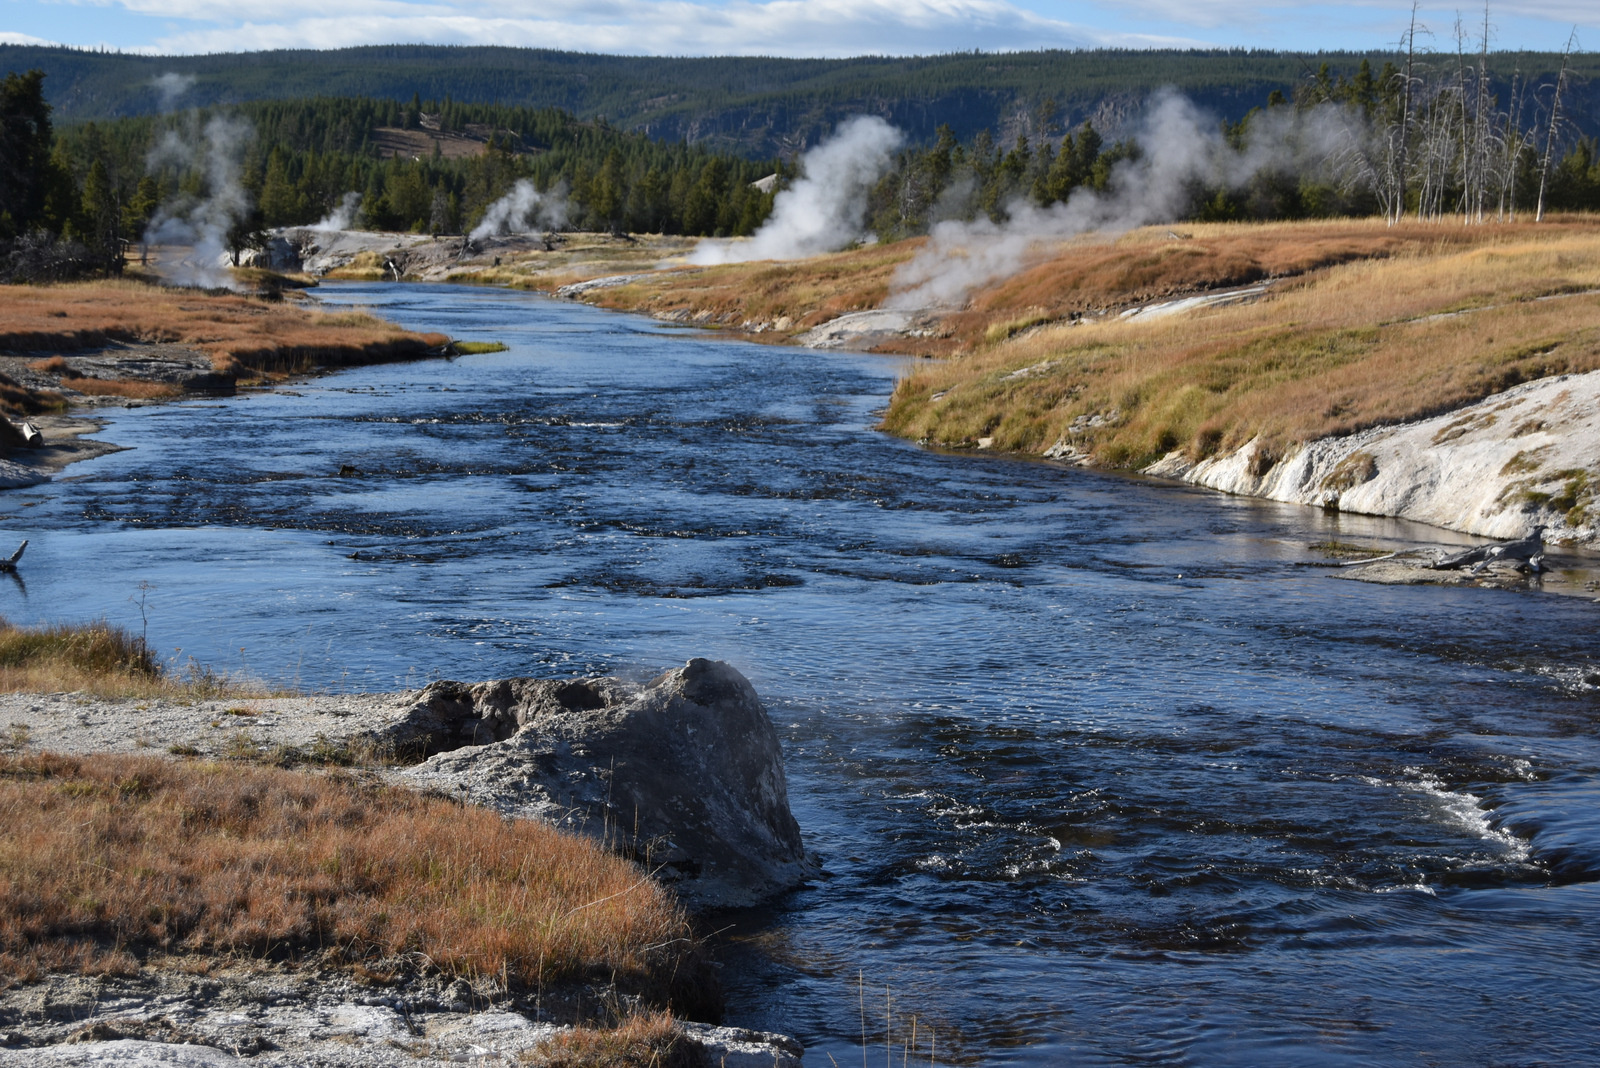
pixel 775 27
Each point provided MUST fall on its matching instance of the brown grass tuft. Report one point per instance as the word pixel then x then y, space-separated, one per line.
pixel 106 858
pixel 124 387
pixel 55 365
pixel 100 659
pixel 642 1040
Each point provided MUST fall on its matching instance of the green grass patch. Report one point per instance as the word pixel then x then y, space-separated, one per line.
pixel 476 348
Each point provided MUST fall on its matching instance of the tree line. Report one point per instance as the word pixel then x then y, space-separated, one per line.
pixel 1423 135
pixel 1418 136
pixel 752 105
pixel 95 187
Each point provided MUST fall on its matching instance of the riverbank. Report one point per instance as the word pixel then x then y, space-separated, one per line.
pixel 1347 365
pixel 125 342
pixel 342 894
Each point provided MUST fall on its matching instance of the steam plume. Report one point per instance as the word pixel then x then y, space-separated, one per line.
pixel 521 209
pixel 1180 151
pixel 343 216
pixel 170 86
pixel 203 223
pixel 825 210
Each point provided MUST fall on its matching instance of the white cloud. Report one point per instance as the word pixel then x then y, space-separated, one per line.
pixel 7 37
pixel 675 27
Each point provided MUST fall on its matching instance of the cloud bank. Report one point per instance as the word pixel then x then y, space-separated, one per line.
pixel 801 28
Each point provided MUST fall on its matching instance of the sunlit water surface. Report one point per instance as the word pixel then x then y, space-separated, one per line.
pixel 1101 772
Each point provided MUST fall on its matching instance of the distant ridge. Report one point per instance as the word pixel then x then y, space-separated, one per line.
pixel 754 106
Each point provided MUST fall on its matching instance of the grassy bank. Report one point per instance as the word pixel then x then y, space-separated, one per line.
pixel 1448 317
pixel 757 298
pixel 102 660
pixel 242 335
pixel 108 860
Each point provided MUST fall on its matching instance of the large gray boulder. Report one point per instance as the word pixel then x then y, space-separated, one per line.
pixel 684 774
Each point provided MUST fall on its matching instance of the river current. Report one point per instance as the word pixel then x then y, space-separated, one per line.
pixel 1101 771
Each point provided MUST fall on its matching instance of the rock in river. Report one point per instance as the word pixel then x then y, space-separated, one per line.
pixel 684 774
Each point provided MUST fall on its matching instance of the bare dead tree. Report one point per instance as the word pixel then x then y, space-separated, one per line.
pixel 1516 140
pixel 1483 129
pixel 1400 156
pixel 1555 124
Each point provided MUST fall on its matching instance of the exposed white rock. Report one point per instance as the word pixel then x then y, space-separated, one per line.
pixel 861 329
pixel 294 1018
pixel 1218 299
pixel 578 289
pixel 321 251
pixel 1526 456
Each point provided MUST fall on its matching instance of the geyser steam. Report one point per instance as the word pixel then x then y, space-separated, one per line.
pixel 824 211
pixel 1180 150
pixel 170 86
pixel 341 217
pixel 204 222
pixel 520 210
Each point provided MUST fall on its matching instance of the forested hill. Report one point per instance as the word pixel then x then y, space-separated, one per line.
pixel 757 107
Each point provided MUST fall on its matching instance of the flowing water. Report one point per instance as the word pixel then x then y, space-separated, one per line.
pixel 1100 770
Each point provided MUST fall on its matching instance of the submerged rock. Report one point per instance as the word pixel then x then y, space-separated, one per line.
pixel 684 774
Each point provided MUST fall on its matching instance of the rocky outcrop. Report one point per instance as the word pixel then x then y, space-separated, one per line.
pixel 684 774
pixel 1527 456
pixel 860 331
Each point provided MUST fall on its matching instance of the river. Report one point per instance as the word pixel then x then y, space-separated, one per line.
pixel 1101 770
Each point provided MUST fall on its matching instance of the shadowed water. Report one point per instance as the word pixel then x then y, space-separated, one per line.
pixel 1100 770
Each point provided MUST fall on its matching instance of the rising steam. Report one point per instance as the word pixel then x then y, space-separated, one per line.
pixel 342 217
pixel 170 86
pixel 520 210
pixel 1181 150
pixel 824 211
pixel 203 223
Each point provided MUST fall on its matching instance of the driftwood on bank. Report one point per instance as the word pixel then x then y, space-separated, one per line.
pixel 1529 549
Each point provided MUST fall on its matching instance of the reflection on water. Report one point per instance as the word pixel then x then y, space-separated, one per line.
pixel 1100 770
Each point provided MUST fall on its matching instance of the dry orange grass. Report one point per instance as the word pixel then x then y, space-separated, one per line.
pixel 237 332
pixel 107 858
pixel 123 387
pixel 807 292
pixel 1093 276
pixel 103 387
pixel 1422 330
